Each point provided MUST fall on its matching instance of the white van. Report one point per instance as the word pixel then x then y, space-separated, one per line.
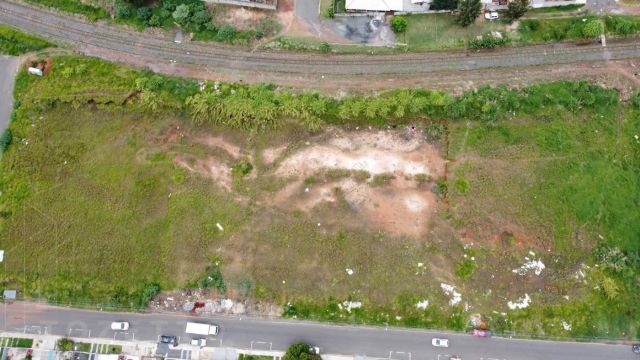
pixel 201 329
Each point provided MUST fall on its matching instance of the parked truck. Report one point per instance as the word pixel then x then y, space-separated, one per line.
pixel 201 329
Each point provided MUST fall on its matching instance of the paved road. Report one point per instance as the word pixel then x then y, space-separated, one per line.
pixel 400 344
pixel 8 70
pixel 131 45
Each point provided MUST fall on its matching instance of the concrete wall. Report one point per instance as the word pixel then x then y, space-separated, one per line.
pixel 259 4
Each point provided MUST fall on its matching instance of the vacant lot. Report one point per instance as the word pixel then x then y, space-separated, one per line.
pixel 516 207
pixel 439 31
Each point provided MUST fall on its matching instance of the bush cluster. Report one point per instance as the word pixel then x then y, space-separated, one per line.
pixel 488 41
pixel 622 25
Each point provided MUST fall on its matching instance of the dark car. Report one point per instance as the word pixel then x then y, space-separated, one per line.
pixel 167 339
pixel 635 348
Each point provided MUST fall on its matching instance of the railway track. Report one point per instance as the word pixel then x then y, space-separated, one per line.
pixel 120 40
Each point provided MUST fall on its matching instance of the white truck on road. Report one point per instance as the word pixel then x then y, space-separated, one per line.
pixel 201 329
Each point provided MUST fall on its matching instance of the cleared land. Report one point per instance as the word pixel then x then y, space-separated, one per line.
pixel 412 208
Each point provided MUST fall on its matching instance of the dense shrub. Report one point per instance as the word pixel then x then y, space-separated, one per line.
pixel 93 13
pixel 144 14
pixel 226 33
pixel 488 41
pixel 5 140
pixel 123 11
pixel 399 24
pixel 622 25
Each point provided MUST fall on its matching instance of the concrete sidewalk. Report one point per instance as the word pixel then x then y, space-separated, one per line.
pixel 44 348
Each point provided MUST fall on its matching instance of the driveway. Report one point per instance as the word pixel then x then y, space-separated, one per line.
pixel 353 29
pixel 8 69
pixel 601 7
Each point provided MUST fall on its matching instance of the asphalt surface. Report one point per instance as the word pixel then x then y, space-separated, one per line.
pixel 129 45
pixel 8 70
pixel 263 334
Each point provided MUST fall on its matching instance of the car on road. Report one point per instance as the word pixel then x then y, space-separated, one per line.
pixel 168 339
pixel 119 325
pixel 438 342
pixel 199 342
pixel 481 333
pixel 635 348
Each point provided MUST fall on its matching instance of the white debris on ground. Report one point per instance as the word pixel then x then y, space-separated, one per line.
pixel 521 303
pixel 226 304
pixel 536 265
pixel 398 317
pixel 424 304
pixel 348 305
pixel 449 290
pixel 566 325
pixel 349 271
pixel 219 227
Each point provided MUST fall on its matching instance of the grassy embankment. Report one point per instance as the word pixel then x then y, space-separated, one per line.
pixel 94 208
pixel 14 42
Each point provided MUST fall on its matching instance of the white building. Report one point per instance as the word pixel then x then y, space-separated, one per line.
pixel 387 5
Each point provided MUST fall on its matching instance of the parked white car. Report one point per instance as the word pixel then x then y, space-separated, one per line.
pixel 493 15
pixel 437 342
pixel 119 325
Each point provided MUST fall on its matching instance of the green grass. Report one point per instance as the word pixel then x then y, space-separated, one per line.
pixel 254 357
pixel 83 347
pixel 439 31
pixel 98 194
pixel 14 42
pixel 93 13
pixel 547 30
pixel 555 9
pixel 16 342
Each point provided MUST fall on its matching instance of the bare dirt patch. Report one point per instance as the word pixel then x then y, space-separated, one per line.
pixel 389 151
pixel 399 205
pixel 210 167
pixel 218 141
pixel 240 17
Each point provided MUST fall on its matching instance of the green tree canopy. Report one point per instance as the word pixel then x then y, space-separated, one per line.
pixel 468 11
pixel 443 5
pixel 399 24
pixel 592 29
pixel 517 8
pixel 300 351
pixel 181 14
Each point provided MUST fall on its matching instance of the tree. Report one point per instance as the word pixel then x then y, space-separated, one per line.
pixel 144 14
pixel 443 5
pixel 201 18
pixel 468 11
pixel 517 8
pixel 65 344
pixel 181 14
pixel 592 29
pixel 300 351
pixel 399 24
pixel 135 3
